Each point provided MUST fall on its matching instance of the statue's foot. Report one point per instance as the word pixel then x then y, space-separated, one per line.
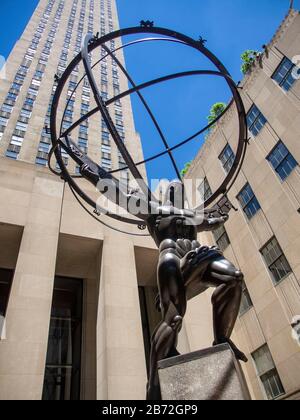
pixel 174 353
pixel 238 353
pixel 153 392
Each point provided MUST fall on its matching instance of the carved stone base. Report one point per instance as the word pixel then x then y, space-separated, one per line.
pixel 211 374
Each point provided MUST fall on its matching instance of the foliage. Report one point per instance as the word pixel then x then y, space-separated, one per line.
pixel 186 168
pixel 248 58
pixel 216 110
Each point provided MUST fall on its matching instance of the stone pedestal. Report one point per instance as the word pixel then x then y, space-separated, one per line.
pixel 211 374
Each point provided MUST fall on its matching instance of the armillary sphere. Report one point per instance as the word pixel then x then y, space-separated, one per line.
pixel 60 137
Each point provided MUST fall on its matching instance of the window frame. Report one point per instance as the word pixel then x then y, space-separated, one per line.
pixel 261 375
pixel 277 259
pixel 219 238
pixel 4 121
pixel 252 127
pixel 246 295
pixel 246 206
pixel 284 159
pixel 285 78
pixel 7 108
pixel 230 158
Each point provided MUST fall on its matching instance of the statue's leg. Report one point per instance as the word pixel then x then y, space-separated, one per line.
pixel 173 305
pixel 226 300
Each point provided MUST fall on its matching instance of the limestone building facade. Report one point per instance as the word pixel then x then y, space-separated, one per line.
pixel 263 237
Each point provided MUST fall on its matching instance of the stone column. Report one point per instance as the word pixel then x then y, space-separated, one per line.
pixel 121 366
pixel 23 351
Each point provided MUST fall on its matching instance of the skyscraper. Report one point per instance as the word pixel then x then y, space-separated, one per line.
pixel 73 359
pixel 51 40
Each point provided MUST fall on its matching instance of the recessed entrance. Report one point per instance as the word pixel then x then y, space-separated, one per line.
pixel 63 365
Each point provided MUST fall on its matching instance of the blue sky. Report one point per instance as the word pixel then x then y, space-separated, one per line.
pixel 229 26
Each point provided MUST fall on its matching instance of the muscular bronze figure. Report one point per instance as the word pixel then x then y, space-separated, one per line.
pixel 185 269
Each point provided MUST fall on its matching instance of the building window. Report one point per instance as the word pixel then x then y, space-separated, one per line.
pixel 227 158
pixel 267 373
pixel 248 201
pixel 25 113
pixel 42 158
pixel 106 149
pixel 11 155
pixel 83 129
pixel 105 135
pixel 106 163
pixel 85 108
pixel 7 108
pixel 32 91
pixel 19 133
pixel 6 277
pixel 106 156
pixel 13 152
pixel 246 302
pixel 3 121
pixel 282 160
pixel 44 147
pixel 29 101
pixel 62 374
pixel 205 190
pixel 284 74
pixel 21 126
pixel 82 142
pixel 276 261
pixel 221 238
pixel 16 86
pixel 256 120
pixel 12 97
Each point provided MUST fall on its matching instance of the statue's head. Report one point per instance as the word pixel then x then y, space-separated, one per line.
pixel 175 195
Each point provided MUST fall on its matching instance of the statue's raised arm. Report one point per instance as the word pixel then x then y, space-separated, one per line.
pixel 113 189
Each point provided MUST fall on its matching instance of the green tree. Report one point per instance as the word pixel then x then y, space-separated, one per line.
pixel 216 110
pixel 186 168
pixel 248 58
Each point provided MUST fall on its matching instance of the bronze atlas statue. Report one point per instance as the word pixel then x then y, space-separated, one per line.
pixel 185 268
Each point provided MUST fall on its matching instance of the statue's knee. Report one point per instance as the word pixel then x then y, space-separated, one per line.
pixel 167 244
pixel 167 329
pixel 168 262
pixel 236 278
pixel 239 277
pixel 234 283
pixel 215 297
